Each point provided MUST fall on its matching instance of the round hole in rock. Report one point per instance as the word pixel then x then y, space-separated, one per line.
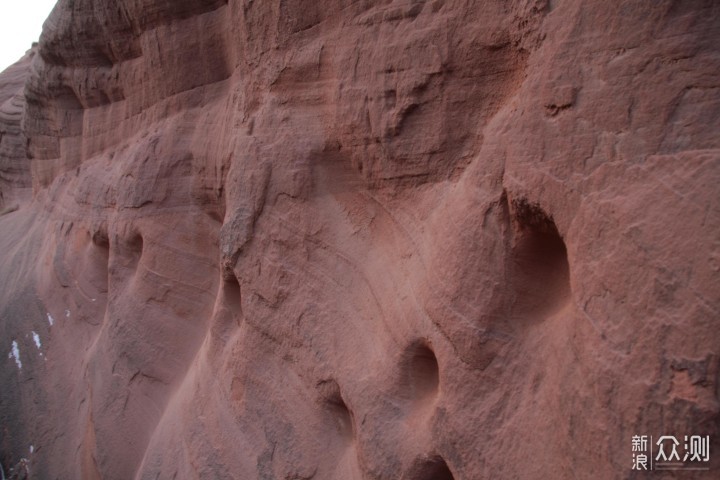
pixel 422 371
pixel 539 269
pixel 432 469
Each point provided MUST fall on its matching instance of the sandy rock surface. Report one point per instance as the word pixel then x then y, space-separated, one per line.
pixel 363 239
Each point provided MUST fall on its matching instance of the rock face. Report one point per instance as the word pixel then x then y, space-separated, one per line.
pixel 370 239
pixel 15 185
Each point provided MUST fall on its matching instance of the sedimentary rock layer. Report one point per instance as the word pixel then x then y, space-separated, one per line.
pixel 370 239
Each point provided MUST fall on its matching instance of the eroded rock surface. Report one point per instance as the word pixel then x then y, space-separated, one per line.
pixel 371 239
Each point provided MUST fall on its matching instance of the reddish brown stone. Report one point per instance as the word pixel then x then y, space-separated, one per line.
pixel 374 239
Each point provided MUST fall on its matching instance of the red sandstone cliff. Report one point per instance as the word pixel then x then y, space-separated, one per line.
pixel 371 239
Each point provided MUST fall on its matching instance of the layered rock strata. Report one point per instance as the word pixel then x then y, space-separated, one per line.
pixel 370 239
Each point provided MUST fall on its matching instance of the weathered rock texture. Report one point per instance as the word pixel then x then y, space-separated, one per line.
pixel 360 239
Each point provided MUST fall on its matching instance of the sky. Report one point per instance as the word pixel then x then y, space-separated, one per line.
pixel 20 25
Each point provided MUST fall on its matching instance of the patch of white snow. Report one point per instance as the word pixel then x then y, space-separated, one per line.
pixel 16 353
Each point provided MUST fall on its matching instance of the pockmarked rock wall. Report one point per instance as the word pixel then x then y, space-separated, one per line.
pixel 360 239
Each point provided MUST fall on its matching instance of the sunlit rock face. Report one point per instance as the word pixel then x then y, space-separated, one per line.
pixel 359 240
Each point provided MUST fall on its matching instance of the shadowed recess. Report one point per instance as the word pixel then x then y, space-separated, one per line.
pixel 232 297
pixel 98 258
pixel 433 469
pixel 422 375
pixel 539 269
pixel 337 408
pixel 135 247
